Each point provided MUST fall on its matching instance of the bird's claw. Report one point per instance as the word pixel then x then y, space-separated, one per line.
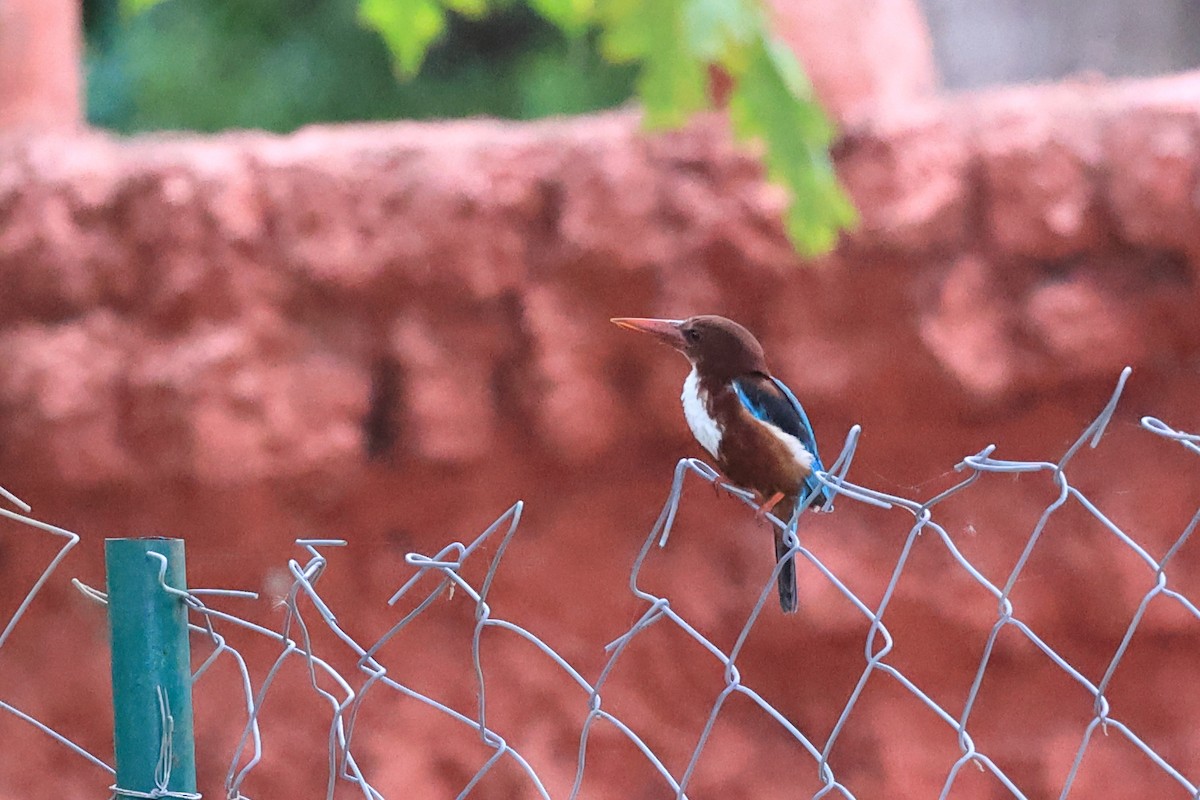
pixel 761 512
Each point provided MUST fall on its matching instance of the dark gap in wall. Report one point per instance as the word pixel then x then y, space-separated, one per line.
pixel 381 424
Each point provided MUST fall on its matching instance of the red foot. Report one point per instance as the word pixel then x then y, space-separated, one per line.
pixel 766 507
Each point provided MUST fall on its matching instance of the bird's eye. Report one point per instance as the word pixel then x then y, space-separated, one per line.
pixel 692 335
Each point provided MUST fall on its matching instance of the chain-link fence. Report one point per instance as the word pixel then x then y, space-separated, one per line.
pixel 348 691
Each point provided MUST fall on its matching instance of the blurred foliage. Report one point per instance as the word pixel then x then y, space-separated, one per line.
pixel 277 64
pixel 208 65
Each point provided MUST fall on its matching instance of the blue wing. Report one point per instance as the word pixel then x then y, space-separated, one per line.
pixel 769 400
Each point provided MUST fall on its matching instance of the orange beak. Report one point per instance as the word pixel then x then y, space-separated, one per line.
pixel 666 331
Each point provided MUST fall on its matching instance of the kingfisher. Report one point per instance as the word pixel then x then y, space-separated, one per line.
pixel 747 420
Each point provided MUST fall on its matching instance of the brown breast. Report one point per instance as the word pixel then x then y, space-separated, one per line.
pixel 751 455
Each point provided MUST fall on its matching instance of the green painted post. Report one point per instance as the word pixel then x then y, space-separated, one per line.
pixel 149 637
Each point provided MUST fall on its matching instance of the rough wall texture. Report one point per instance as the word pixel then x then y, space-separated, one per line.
pixel 389 333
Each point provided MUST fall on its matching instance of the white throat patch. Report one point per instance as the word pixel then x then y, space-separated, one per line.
pixel 695 411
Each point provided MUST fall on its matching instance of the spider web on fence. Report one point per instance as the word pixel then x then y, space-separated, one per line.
pixel 373 675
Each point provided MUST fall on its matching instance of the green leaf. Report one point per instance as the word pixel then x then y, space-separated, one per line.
pixel 673 82
pixel 675 42
pixel 773 102
pixel 408 28
pixel 468 8
pixel 131 7
pixel 720 30
pixel 571 16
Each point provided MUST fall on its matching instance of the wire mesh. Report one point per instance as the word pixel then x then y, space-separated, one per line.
pixel 345 692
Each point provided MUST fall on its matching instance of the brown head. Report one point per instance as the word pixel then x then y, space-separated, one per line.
pixel 719 348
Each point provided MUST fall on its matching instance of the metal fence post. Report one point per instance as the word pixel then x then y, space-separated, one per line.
pixel 151 669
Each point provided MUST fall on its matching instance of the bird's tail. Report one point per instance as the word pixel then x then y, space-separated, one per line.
pixel 788 597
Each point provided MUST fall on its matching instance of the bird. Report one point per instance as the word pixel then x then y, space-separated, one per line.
pixel 746 419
